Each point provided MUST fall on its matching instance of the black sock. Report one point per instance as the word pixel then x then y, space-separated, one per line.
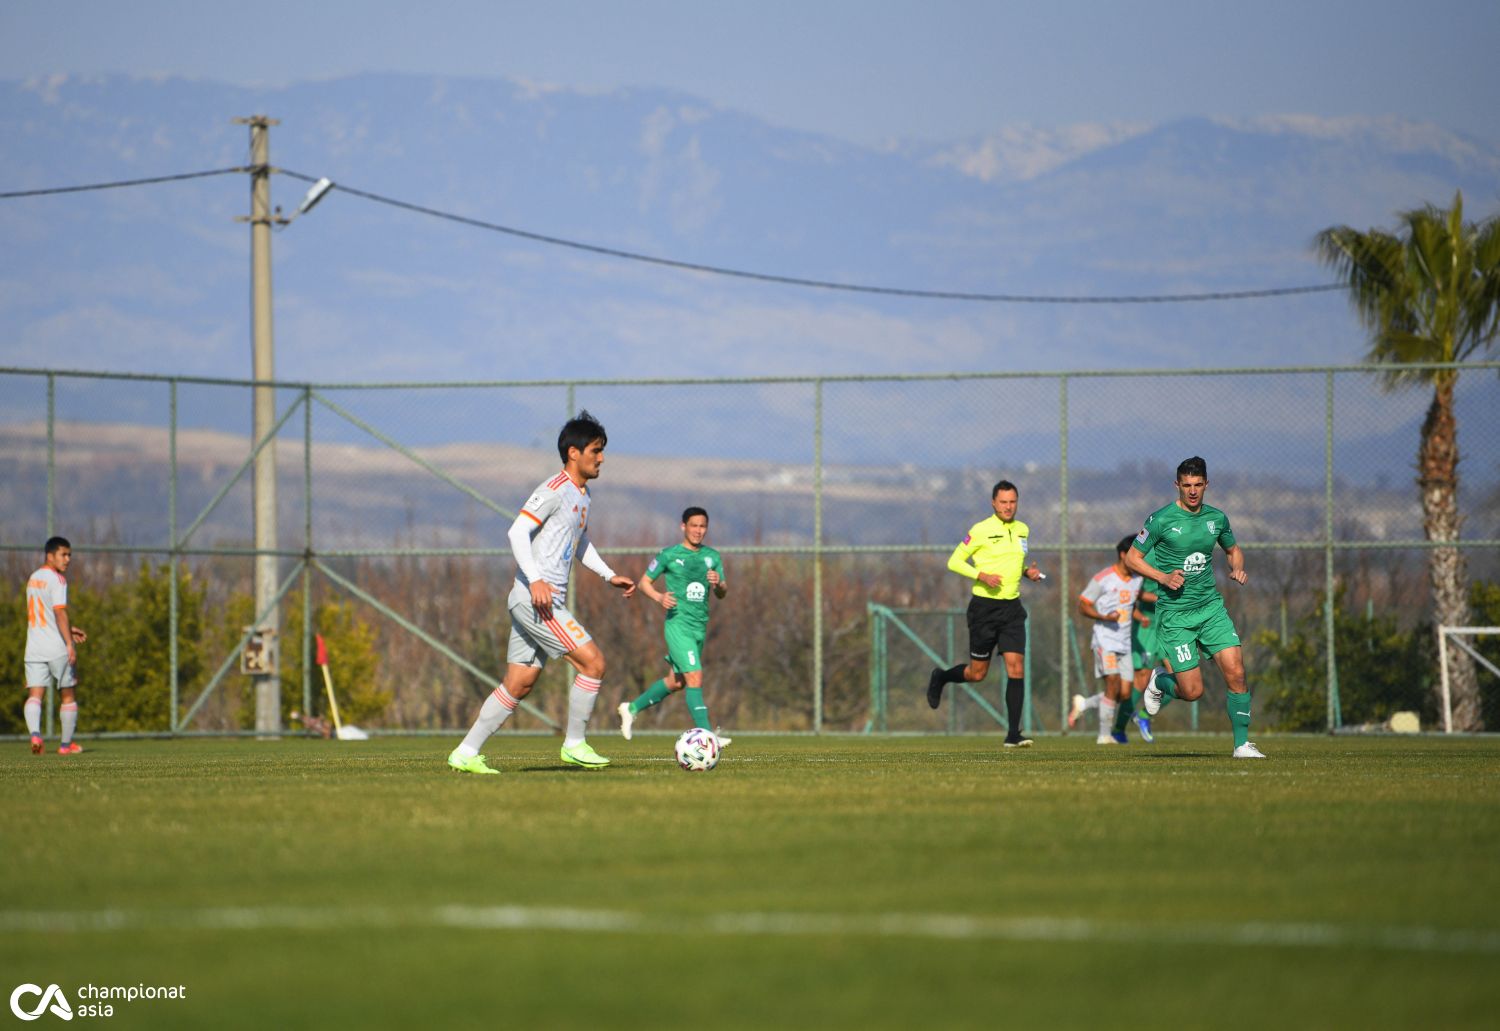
pixel 955 675
pixel 1015 696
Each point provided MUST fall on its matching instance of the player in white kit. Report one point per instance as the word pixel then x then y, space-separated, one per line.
pixel 1109 602
pixel 50 639
pixel 551 529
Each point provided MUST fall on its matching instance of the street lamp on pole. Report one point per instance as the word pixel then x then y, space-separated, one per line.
pixel 267 679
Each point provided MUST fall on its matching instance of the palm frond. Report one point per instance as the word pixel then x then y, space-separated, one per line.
pixel 1428 293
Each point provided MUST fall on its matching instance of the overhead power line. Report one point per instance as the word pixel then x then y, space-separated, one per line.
pixel 718 270
pixel 823 284
pixel 121 183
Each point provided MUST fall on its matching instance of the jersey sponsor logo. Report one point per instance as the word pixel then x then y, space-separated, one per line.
pixel 1194 564
pixel 1177 529
pixel 696 591
pixel 1211 527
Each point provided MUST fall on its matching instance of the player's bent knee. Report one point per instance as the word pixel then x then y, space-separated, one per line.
pixel 590 665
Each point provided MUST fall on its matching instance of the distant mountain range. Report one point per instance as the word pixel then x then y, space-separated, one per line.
pixel 155 278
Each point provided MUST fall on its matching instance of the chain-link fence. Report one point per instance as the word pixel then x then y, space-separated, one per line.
pixel 828 496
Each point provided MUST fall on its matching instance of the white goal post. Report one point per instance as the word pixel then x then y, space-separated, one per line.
pixel 1457 635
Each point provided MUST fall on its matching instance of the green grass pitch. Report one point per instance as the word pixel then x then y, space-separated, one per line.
pixel 835 882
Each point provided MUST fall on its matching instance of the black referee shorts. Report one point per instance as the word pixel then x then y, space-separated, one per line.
pixel 996 623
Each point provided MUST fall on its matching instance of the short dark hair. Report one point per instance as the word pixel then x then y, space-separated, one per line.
pixel 1194 466
pixel 53 543
pixel 1124 544
pixel 580 431
pixel 692 510
pixel 1003 485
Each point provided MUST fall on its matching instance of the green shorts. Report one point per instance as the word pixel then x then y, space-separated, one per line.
pixel 1144 651
pixel 1181 633
pixel 684 647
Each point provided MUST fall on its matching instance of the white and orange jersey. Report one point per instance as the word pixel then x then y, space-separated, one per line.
pixel 1113 594
pixel 556 520
pixel 46 589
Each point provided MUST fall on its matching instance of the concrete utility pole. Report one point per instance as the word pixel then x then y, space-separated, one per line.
pixel 267 685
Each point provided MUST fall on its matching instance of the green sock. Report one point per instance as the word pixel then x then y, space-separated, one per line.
pixel 653 694
pixel 1238 706
pixel 1167 684
pixel 1123 714
pixel 697 709
pixel 1135 699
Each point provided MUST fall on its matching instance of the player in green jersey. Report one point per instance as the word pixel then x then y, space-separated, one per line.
pixel 689 571
pixel 1180 539
pixel 1144 654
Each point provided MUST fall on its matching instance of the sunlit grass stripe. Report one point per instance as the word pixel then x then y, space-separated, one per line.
pixel 765 924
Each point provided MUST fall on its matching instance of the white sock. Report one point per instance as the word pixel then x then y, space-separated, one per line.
pixel 581 698
pixel 492 716
pixel 1107 709
pixel 33 709
pixel 1092 701
pixel 69 712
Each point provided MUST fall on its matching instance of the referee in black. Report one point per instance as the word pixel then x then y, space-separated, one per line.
pixel 994 555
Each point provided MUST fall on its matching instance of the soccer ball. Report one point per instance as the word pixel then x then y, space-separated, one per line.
pixel 697 750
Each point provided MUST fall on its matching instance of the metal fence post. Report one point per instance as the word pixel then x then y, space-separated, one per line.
pixel 51 694
pixel 818 557
pixel 307 550
pixel 174 602
pixel 1334 717
pixel 1064 629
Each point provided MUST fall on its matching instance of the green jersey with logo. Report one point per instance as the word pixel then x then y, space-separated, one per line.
pixel 684 571
pixel 1176 539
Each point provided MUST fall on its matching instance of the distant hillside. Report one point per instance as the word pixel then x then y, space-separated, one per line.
pixel 113 486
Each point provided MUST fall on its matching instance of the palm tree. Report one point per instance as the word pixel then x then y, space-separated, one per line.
pixel 1429 293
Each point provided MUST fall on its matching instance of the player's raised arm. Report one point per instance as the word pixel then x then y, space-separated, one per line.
pixel 519 536
pixel 961 562
pixel 1088 610
pixel 66 630
pixel 594 562
pixel 666 599
pixel 1236 557
pixel 1135 560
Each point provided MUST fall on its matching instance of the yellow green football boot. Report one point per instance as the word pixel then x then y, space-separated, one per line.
pixel 469 764
pixel 583 754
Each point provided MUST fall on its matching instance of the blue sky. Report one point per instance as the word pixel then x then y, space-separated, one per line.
pixel 154 280
pixel 865 71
